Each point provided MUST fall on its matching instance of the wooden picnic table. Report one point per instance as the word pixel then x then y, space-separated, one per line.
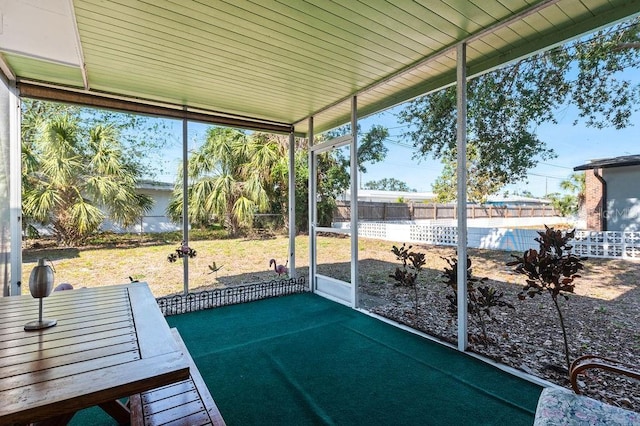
pixel 109 343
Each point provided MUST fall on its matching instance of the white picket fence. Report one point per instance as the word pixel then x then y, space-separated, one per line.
pixel 622 245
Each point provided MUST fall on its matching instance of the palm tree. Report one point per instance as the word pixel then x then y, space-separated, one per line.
pixel 235 175
pixel 569 204
pixel 576 185
pixel 70 179
pixel 271 160
pixel 228 177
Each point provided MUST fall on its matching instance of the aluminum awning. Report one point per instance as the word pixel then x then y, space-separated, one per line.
pixel 273 64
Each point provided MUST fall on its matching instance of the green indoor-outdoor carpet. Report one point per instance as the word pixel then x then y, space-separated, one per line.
pixel 302 360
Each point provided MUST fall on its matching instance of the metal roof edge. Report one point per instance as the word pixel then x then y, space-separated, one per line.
pixel 609 163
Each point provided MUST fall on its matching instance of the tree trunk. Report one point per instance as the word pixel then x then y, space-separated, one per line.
pixel 564 334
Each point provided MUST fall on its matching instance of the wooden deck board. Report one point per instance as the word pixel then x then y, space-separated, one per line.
pixel 167 391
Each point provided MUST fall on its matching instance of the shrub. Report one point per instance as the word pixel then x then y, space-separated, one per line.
pixel 407 276
pixel 480 298
pixel 552 269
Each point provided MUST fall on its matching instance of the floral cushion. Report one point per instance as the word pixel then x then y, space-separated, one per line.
pixel 562 407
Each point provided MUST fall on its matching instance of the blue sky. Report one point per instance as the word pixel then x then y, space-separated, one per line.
pixel 575 145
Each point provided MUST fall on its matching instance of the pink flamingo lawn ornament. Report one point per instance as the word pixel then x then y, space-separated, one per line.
pixel 280 269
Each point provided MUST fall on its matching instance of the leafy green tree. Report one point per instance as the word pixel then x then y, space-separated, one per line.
pixel 575 183
pixel 479 183
pixel 302 190
pixel 505 106
pixel 333 177
pixel 388 184
pixel 333 167
pixel 275 176
pixel 70 177
pixel 272 163
pixel 333 174
pixel 371 148
pixel 333 180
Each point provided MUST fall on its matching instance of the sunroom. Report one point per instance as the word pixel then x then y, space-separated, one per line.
pixel 292 68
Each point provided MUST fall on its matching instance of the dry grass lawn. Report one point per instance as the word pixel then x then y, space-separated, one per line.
pixel 242 261
pixel 246 261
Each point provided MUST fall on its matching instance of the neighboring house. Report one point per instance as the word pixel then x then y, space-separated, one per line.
pixel 156 219
pixel 516 200
pixel 379 196
pixel 612 195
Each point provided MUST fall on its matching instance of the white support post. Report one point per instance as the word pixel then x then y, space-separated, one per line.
pixel 15 189
pixel 462 194
pixel 312 209
pixel 292 205
pixel 354 202
pixel 185 201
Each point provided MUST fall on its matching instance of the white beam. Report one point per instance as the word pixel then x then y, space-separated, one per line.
pixel 6 70
pixel 292 205
pixel 185 201
pixel 15 190
pixel 354 202
pixel 79 51
pixel 312 208
pixel 332 144
pixel 461 144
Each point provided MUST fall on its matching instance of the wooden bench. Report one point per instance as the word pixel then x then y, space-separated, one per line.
pixel 184 403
